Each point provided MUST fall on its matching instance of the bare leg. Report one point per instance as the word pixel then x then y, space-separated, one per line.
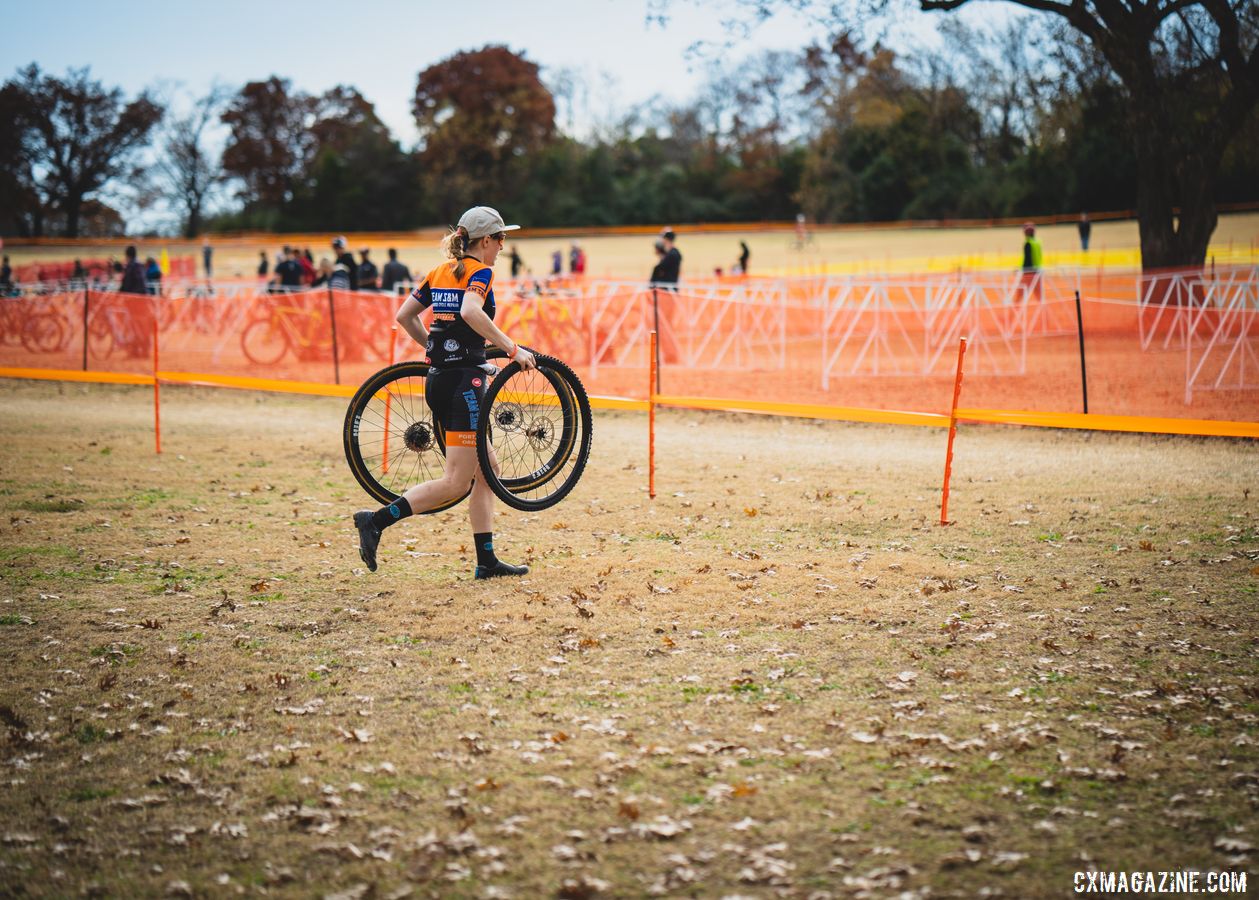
pixel 461 466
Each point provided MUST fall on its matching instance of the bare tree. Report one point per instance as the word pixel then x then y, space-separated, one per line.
pixel 1190 74
pixel 190 171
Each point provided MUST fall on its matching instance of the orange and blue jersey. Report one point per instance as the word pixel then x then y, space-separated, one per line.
pixel 451 341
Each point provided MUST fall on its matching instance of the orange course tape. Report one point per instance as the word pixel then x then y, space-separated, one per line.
pixel 1090 421
pixel 76 375
pixel 244 383
pixel 259 384
pixel 808 411
pixel 1095 422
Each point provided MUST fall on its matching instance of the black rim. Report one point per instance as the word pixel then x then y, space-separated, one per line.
pixel 537 422
pixel 391 440
pixel 540 427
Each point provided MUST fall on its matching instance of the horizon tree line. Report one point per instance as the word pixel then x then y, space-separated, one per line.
pixel 1028 120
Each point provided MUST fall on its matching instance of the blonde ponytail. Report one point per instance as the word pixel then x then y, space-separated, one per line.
pixel 455 246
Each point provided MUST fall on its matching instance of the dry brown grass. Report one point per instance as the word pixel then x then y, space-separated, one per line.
pixel 780 678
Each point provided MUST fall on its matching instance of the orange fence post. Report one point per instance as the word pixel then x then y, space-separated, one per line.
pixel 948 457
pixel 86 302
pixel 157 391
pixel 393 340
pixel 332 319
pixel 651 419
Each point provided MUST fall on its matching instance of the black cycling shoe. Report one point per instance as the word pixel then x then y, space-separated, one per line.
pixel 500 569
pixel 368 537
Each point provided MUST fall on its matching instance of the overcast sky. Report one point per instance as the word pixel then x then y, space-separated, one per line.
pixel 380 46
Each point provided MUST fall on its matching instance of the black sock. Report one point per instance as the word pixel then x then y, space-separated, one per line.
pixel 485 548
pixel 387 515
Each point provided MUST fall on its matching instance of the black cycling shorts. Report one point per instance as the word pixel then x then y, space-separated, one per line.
pixel 456 397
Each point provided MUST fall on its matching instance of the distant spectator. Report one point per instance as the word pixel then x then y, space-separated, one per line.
pixel 307 267
pixel 324 272
pixel 79 274
pixel 289 271
pixel 658 268
pixel 666 274
pixel 669 269
pixel 207 256
pixel 744 255
pixel 557 263
pixel 1032 257
pixel 1086 229
pixel 345 261
pixel 339 277
pixel 577 259
pixel 263 268
pixel 1033 254
pixel 367 272
pixel 394 273
pixel 6 275
pixel 152 275
pixel 516 262
pixel 310 257
pixel 133 275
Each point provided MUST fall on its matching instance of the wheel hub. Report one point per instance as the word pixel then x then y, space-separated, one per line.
pixel 418 437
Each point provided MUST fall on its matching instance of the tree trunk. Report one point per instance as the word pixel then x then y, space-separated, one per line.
pixel 192 227
pixel 1175 208
pixel 72 207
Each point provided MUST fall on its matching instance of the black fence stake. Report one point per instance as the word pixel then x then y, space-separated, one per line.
pixel 332 315
pixel 1084 380
pixel 86 294
pixel 655 308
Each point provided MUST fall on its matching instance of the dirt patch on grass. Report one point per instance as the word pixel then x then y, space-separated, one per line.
pixel 778 678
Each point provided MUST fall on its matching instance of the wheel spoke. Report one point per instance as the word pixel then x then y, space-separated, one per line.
pixel 399 392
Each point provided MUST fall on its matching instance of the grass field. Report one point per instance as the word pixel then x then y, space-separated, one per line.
pixel 779 678
pixel 848 250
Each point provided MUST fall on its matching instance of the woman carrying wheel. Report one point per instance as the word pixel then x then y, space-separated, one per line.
pixel 461 294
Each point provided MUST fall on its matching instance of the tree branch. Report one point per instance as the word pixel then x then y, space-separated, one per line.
pixel 1230 38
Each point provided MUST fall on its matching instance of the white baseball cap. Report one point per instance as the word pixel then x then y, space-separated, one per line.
pixel 481 221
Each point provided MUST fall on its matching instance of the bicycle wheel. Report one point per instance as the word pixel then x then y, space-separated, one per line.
pixel 101 341
pixel 391 441
pixel 539 425
pixel 45 332
pixel 551 467
pixel 536 469
pixel 264 342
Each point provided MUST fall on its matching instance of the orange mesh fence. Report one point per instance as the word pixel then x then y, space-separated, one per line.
pixel 1169 345
pixel 95 270
pixel 1176 345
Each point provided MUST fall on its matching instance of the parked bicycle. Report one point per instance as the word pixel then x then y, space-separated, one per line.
pixel 299 326
pixel 113 327
pixel 34 323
